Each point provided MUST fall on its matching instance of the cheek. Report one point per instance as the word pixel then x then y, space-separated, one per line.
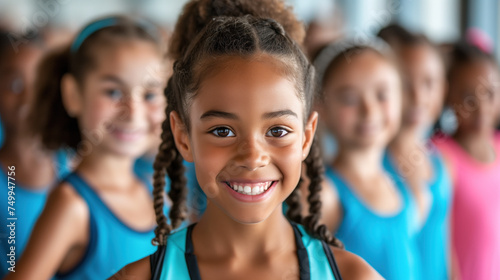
pixel 97 113
pixel 342 118
pixel 392 111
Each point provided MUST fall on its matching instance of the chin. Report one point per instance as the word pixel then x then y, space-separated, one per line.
pixel 247 218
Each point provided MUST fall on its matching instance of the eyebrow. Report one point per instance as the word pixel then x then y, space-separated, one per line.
pixel 226 115
pixel 218 114
pixel 281 113
pixel 111 78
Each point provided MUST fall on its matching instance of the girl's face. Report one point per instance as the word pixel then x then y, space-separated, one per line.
pixel 362 101
pixel 425 86
pixel 17 74
pixel 247 138
pixel 473 95
pixel 121 104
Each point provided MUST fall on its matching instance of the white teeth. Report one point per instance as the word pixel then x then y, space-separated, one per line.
pixel 257 189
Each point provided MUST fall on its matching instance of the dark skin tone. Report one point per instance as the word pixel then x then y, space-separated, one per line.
pixel 236 239
pixel 474 93
pixel 34 165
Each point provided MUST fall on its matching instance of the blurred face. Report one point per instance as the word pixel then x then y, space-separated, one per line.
pixel 474 96
pixel 17 74
pixel 122 102
pixel 247 138
pixel 362 101
pixel 425 86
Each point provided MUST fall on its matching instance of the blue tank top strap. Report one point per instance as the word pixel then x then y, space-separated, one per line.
pixel 353 208
pixel 107 234
pixel 176 260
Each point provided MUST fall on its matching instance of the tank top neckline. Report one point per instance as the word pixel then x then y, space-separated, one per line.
pixel 106 208
pixel 302 254
pixel 396 214
pixel 470 160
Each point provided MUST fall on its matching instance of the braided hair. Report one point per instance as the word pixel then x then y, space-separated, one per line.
pixel 225 37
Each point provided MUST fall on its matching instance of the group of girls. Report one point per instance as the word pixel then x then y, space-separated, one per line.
pixel 238 115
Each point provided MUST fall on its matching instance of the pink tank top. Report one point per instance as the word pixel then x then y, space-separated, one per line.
pixel 475 211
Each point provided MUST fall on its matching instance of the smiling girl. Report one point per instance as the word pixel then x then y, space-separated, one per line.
pixel 360 104
pixel 240 109
pixel 103 98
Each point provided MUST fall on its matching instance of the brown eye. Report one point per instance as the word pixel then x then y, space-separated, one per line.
pixel 222 132
pixel 277 132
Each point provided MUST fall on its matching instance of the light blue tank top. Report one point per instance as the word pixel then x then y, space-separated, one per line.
pixel 387 243
pixel 433 238
pixel 315 258
pixel 28 207
pixel 112 244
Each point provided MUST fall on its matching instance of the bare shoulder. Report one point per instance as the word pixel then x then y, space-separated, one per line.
pixel 65 197
pixel 139 270
pixel 352 266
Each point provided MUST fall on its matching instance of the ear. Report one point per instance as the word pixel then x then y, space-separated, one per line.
pixel 181 137
pixel 71 95
pixel 309 132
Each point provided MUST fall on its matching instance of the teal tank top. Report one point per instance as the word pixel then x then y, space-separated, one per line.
pixel 176 260
pixel 28 206
pixel 387 243
pixel 112 244
pixel 433 238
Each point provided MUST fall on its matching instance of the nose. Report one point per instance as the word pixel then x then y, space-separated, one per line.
pixel 416 96
pixel 130 108
pixel 252 154
pixel 367 109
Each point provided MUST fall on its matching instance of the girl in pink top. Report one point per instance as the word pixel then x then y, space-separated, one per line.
pixel 473 155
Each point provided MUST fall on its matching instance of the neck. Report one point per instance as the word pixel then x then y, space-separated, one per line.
pixel 218 233
pixel 364 163
pixel 407 140
pixel 107 169
pixel 478 145
pixel 483 136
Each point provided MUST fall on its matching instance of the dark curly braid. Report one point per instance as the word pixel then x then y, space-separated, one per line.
pixel 294 212
pixel 315 171
pixel 224 37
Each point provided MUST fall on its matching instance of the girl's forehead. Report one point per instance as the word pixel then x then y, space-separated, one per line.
pixel 363 69
pixel 137 63
pixel 246 84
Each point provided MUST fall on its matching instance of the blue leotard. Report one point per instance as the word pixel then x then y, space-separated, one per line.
pixel 28 206
pixel 386 242
pixel 112 244
pixel 433 238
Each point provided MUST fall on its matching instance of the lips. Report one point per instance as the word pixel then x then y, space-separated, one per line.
pixel 127 134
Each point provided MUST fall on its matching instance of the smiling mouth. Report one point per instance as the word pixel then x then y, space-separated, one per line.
pixel 251 188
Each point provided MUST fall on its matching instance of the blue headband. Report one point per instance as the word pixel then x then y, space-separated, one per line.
pixel 91 29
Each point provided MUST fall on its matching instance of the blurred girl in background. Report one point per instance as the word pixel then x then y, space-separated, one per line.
pixel 103 97
pixel 413 156
pixel 472 153
pixel 360 104
pixel 33 169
